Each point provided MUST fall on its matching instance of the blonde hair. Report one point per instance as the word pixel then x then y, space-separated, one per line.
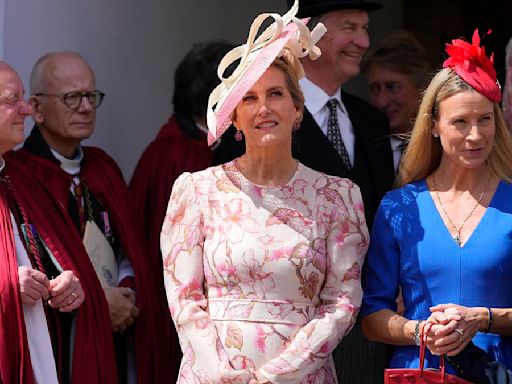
pixel 423 153
pixel 290 67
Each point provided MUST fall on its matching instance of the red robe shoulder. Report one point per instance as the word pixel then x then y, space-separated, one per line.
pixel 93 356
pixel 104 178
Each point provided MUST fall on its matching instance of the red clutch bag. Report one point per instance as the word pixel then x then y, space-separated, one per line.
pixel 421 375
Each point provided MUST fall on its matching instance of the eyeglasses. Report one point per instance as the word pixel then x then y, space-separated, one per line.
pixel 73 99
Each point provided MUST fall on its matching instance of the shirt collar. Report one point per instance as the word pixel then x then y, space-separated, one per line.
pixel 70 166
pixel 316 98
pixel 396 143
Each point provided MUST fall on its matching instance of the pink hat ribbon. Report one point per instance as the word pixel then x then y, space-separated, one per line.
pixel 255 56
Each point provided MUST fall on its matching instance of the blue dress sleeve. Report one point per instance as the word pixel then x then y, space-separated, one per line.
pixel 382 268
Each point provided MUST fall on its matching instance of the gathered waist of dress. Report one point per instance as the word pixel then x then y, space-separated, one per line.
pixel 261 311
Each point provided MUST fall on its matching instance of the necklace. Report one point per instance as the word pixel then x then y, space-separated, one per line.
pixel 457 230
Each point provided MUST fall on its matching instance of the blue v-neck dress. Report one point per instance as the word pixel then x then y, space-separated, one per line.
pixel 411 248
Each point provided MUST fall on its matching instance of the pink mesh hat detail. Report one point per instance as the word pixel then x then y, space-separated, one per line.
pixel 287 36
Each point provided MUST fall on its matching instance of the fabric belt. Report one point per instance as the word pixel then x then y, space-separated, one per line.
pixel 262 311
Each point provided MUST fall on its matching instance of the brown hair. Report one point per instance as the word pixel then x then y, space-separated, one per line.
pixel 401 52
pixel 423 154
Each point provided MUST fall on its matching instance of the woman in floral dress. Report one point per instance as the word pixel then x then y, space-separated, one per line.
pixel 262 256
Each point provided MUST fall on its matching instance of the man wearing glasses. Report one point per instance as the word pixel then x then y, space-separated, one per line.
pixel 89 184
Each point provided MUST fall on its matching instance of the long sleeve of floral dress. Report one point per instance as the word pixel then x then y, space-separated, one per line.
pixel 262 280
pixel 204 360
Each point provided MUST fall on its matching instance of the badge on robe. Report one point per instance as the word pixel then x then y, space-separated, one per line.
pixel 101 255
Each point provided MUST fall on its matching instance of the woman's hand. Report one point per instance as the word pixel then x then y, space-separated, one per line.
pixel 454 327
pixel 442 333
pixel 33 285
pixel 66 292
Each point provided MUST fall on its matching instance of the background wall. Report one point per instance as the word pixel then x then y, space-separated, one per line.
pixel 134 47
pixel 2 19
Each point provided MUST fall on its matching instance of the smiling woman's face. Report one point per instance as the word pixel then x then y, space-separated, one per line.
pixel 466 128
pixel 266 114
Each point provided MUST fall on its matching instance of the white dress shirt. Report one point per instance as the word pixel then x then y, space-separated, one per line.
pixel 316 102
pixel 396 145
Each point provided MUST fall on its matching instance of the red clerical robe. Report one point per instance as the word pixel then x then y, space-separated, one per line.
pixel 93 357
pixel 105 181
pixel 167 157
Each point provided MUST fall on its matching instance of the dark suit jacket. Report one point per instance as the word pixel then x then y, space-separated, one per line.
pixel 373 169
pixel 476 366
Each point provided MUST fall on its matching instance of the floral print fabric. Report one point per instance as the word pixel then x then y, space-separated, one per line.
pixel 262 280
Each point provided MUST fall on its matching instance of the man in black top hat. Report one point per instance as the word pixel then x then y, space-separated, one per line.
pixel 365 154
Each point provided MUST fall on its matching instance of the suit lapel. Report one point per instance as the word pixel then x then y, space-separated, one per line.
pixel 358 120
pixel 312 148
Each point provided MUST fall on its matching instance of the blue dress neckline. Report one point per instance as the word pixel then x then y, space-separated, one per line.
pixel 439 217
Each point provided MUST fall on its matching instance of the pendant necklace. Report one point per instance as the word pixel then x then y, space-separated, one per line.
pixel 457 230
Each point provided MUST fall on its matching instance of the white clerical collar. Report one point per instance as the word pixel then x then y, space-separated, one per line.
pixel 70 166
pixel 2 163
pixel 316 98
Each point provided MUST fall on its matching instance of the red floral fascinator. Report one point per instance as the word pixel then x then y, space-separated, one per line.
pixel 471 63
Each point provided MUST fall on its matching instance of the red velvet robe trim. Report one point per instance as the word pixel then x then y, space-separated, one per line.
pixel 105 180
pixel 15 364
pixel 167 157
pixel 93 358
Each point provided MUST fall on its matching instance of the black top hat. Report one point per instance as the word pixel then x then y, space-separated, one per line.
pixel 308 8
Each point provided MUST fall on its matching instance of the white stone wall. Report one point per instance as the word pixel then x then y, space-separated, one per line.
pixel 134 47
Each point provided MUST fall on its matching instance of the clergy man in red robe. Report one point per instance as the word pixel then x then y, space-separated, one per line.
pixel 48 333
pixel 89 185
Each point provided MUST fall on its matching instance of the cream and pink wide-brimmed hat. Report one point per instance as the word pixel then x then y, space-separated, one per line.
pixel 286 35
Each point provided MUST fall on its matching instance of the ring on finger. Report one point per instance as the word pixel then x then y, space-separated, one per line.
pixel 460 331
pixel 75 296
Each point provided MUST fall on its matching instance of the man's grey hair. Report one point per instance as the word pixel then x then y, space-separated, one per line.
pixel 39 74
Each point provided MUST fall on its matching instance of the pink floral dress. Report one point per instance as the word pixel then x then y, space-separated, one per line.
pixel 262 280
